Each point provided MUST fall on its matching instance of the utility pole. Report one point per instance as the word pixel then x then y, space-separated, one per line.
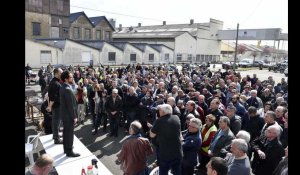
pixel 236 43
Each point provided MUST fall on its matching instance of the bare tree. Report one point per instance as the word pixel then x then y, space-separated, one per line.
pixel 241 49
pixel 254 54
pixel 267 50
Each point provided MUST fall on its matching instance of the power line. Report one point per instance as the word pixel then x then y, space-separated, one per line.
pixel 243 22
pixel 132 16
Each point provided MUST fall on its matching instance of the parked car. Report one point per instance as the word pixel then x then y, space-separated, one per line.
pixel 286 72
pixel 62 66
pixel 246 62
pixel 229 65
pixel 257 63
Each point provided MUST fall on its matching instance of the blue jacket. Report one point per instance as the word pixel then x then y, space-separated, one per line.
pixel 191 146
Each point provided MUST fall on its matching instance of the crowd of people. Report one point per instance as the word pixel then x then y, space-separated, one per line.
pixel 193 119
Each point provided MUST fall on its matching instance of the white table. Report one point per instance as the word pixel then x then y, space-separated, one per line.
pixel 74 168
pixel 71 165
pixel 57 150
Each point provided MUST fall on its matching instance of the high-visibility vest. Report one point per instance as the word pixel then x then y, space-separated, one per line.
pixel 211 129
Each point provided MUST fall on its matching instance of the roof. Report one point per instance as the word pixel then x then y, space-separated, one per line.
pixel 75 16
pixel 97 19
pixel 55 42
pixel 191 28
pixel 158 46
pixel 119 45
pixel 92 43
pixel 141 46
pixel 148 35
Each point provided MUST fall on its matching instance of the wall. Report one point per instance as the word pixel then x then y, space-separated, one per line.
pixel 44 19
pixel 169 42
pixel 33 54
pixel 72 53
pixel 129 49
pixel 149 50
pixel 185 44
pixel 104 55
pixel 83 23
pixel 165 50
pixel 103 26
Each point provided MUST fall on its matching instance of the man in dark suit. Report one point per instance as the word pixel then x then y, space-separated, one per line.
pixel 68 111
pixel 114 107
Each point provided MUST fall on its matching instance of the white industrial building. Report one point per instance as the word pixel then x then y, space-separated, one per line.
pixel 131 54
pixel 109 54
pixel 41 54
pixel 193 42
pixel 69 52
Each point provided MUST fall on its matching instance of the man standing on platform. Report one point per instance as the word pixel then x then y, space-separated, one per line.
pixel 54 106
pixel 68 111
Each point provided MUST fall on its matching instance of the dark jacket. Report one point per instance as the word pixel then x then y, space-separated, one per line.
pixel 110 106
pixel 68 104
pixel 53 91
pixel 222 142
pixel 191 145
pixel 235 124
pixel 253 125
pixel 274 153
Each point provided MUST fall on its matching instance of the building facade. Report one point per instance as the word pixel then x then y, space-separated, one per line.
pixel 47 19
pixel 192 43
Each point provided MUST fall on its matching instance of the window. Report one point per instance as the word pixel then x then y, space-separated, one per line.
pixel 35 3
pixel 65 30
pixel 98 34
pixel 206 58
pixel 198 58
pixel 55 32
pixel 133 57
pixel 107 35
pixel 76 33
pixel 214 58
pixel 202 58
pixel 210 57
pixel 167 57
pixel 86 56
pixel 36 28
pixel 112 56
pixel 151 57
pixel 189 57
pixel 179 57
pixel 60 6
pixel 46 56
pixel 87 34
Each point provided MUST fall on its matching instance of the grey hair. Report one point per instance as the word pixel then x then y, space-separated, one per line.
pixel 277 129
pixel 172 99
pixel 225 119
pixel 166 108
pixel 241 144
pixel 136 126
pixel 272 114
pixel 253 91
pixel 244 135
pixel 197 122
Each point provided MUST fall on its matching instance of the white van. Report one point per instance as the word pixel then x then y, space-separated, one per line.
pixel 246 62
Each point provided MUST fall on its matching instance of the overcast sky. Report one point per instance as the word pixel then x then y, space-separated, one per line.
pixel 249 14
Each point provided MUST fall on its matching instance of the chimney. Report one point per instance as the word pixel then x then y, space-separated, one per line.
pixel 120 27
pixel 164 23
pixel 191 21
pixel 140 24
